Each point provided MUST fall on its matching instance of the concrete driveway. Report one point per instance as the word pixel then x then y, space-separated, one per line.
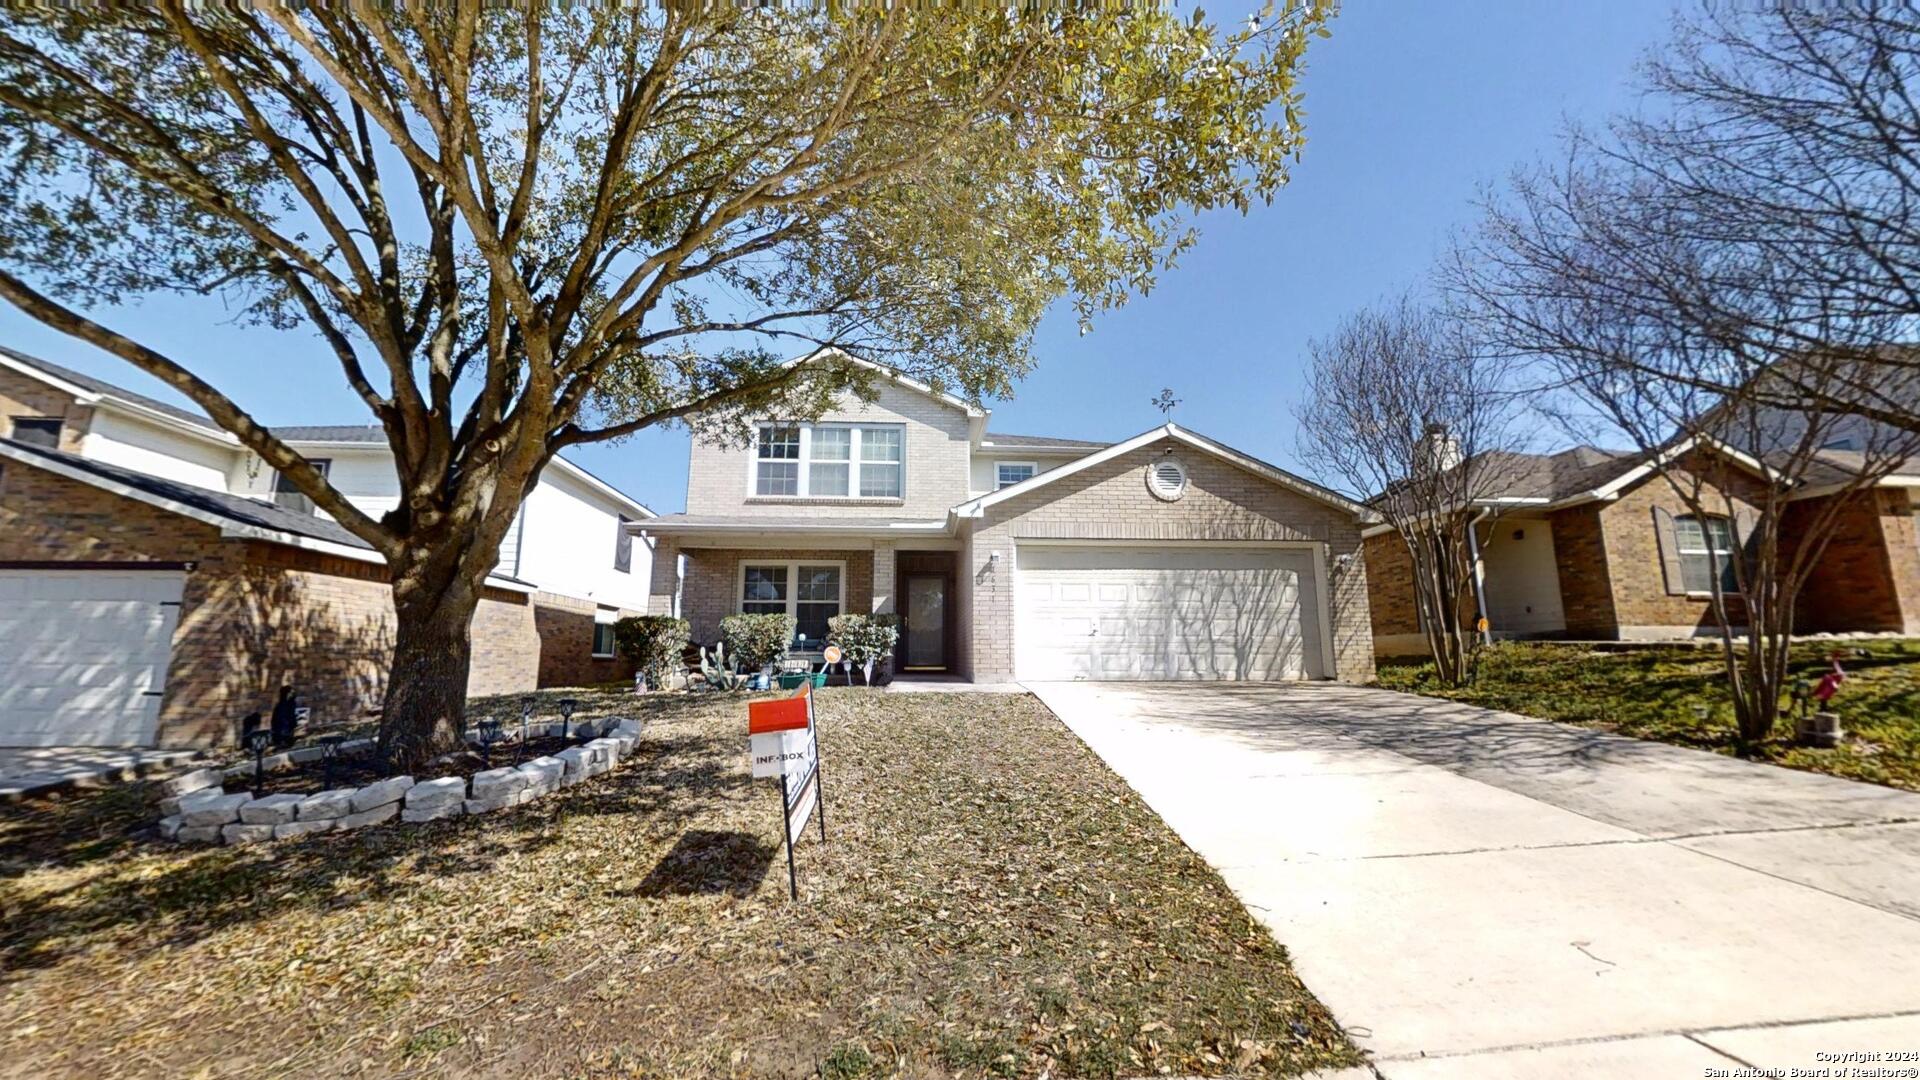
pixel 1478 894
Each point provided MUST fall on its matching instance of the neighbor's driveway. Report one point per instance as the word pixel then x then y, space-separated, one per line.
pixel 1478 894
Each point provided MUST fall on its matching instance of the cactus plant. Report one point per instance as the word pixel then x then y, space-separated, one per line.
pixel 718 670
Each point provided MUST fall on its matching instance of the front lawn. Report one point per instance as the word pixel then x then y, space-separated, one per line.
pixel 993 902
pixel 1650 693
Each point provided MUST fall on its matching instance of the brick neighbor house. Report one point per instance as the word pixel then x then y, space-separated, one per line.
pixel 157 583
pixel 1164 556
pixel 1592 544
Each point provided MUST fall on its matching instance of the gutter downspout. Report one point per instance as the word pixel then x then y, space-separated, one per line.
pixel 1484 626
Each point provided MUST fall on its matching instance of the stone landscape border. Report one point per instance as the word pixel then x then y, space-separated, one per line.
pixel 197 810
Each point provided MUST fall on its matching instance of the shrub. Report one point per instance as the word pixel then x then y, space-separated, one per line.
pixel 757 641
pixel 863 639
pixel 657 644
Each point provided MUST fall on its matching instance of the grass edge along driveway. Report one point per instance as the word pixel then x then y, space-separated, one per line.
pixel 1651 692
pixel 993 902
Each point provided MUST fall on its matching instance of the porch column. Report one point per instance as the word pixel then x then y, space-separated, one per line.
pixel 663 593
pixel 882 576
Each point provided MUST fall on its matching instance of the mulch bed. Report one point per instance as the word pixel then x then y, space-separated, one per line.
pixel 357 770
pixel 992 902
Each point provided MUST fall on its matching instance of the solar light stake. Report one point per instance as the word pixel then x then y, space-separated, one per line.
pixel 257 741
pixel 489 734
pixel 526 717
pixel 567 705
pixel 329 756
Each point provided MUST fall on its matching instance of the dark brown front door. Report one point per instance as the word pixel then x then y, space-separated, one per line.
pixel 923 623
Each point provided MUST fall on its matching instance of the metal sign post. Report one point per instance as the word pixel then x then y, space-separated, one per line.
pixel 785 742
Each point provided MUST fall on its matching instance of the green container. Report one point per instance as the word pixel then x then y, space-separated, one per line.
pixel 792 679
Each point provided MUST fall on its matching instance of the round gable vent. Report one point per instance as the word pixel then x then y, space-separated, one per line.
pixel 1167 479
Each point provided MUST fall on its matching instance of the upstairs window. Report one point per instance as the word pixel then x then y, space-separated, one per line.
pixel 828 461
pixel 1706 550
pixel 285 494
pixel 38 431
pixel 1009 473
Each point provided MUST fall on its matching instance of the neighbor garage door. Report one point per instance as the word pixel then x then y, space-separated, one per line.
pixel 1111 612
pixel 83 655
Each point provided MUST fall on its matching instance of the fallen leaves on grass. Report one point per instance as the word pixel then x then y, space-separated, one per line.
pixel 991 901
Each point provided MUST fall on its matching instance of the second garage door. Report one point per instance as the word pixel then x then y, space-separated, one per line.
pixel 1110 612
pixel 84 654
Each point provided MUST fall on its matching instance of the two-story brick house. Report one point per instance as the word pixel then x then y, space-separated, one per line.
pixel 157 582
pixel 1164 556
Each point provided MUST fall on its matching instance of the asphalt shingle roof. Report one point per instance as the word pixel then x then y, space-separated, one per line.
pixel 107 389
pixel 1000 439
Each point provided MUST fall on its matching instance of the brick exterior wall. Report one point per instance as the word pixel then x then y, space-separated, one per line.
pixel 565 625
pixel 254 616
pixel 1868 577
pixel 936 456
pixel 1641 603
pixel 711 590
pixel 1586 578
pixel 24 396
pixel 1110 501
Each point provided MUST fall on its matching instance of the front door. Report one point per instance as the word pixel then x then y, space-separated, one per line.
pixel 924 627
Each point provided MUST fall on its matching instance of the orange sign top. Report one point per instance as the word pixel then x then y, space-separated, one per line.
pixel 786 714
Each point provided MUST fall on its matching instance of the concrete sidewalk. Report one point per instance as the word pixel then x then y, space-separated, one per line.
pixel 1478 894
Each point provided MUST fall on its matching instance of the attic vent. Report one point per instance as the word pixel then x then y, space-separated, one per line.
pixel 1167 479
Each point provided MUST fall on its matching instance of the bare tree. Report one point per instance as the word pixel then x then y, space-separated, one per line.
pixel 1399 402
pixel 519 228
pixel 1761 392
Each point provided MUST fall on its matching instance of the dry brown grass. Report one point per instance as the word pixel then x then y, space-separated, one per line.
pixel 993 901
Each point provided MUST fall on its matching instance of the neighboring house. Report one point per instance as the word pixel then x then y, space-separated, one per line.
pixel 159 583
pixel 1595 545
pixel 1165 556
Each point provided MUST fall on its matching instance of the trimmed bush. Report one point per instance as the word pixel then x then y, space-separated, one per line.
pixel 757 641
pixel 655 643
pixel 864 639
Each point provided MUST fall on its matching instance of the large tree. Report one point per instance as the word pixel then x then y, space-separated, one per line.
pixel 1402 402
pixel 519 229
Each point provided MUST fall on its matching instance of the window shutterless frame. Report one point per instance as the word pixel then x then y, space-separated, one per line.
pixel 1008 473
pixel 845 456
pixel 790 597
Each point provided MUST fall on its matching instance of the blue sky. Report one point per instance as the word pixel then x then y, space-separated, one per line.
pixel 1411 108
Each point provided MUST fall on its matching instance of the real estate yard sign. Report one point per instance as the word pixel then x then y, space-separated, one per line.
pixel 785 742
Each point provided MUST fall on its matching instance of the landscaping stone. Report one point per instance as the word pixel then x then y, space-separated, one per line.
pixel 497 783
pixel 169 806
pixel 198 834
pixel 578 760
pixel 544 774
pixel 211 807
pixel 304 828
pixel 383 812
pixel 356 746
pixel 187 783
pixel 498 802
pixel 586 729
pixel 246 834
pixel 326 806
pixel 305 754
pixel 432 793
pixel 271 810
pixel 433 811
pixel 381 792
pixel 170 827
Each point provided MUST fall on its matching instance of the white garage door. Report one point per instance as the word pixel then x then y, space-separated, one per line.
pixel 83 655
pixel 1165 613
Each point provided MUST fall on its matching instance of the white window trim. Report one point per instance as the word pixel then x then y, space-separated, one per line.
pixel 793 583
pixel 998 483
pixel 1705 550
pixel 603 617
pixel 805 462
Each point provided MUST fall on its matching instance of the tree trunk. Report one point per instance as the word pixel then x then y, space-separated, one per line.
pixel 427 683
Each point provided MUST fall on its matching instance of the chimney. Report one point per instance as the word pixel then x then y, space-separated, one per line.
pixel 1439 450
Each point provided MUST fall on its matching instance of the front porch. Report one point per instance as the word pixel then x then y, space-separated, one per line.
pixel 705 578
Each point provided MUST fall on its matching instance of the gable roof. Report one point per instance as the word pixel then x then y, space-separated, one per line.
pixel 90 390
pixel 893 375
pixel 1297 484
pixel 236 515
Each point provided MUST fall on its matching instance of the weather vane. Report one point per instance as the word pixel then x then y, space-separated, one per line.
pixel 1165 402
